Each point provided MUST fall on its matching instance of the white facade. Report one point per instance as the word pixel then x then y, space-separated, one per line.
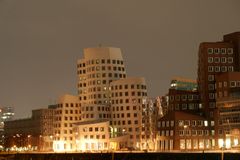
pixel 127 98
pixel 98 68
pixel 67 112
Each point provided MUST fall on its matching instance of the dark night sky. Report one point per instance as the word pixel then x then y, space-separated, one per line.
pixel 40 42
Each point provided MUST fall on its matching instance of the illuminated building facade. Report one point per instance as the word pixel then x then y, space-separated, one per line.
pixel 215 58
pixel 67 113
pixel 99 67
pixel 127 103
pixel 228 107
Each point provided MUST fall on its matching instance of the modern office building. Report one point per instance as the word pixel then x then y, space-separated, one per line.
pixel 98 68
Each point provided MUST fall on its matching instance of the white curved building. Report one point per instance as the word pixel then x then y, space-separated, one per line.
pixel 98 68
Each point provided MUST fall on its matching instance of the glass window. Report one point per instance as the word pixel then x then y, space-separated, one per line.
pixel 210 51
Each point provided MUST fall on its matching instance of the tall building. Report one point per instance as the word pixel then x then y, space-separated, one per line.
pixel 111 100
pixel 215 58
pixel 98 68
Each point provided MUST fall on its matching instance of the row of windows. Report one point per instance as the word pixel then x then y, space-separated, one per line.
pixel 94 96
pixel 122 108
pixel 195 132
pixel 234 84
pixel 103 61
pixel 188 97
pixel 220 68
pixel 194 123
pixel 120 94
pixel 220 60
pixel 165 123
pixel 127 122
pixel 127 86
pixel 121 101
pixel 166 133
pixel 220 50
pixel 124 115
pixel 96 136
pixel 65 138
pixel 103 75
pixel 68 118
pixel 65 131
pixel 68 105
pixel 185 106
pixel 58 125
pixel 103 68
pixel 93 129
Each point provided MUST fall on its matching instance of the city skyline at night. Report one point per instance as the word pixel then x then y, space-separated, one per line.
pixel 39 49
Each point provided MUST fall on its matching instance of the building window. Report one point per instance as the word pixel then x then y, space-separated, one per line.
pixel 212 104
pixel 230 59
pixel 217 60
pixel 230 50
pixel 172 123
pixel 210 59
pixel 210 51
pixel 216 50
pixel 180 123
pixel 223 68
pixel 223 50
pixel 210 77
pixel 223 59
pixel 230 68
pixel 194 132
pixel 210 87
pixel 233 84
pixel 217 68
pixel 211 95
pixel 210 69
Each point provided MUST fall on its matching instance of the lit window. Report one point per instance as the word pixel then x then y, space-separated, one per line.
pixel 205 123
